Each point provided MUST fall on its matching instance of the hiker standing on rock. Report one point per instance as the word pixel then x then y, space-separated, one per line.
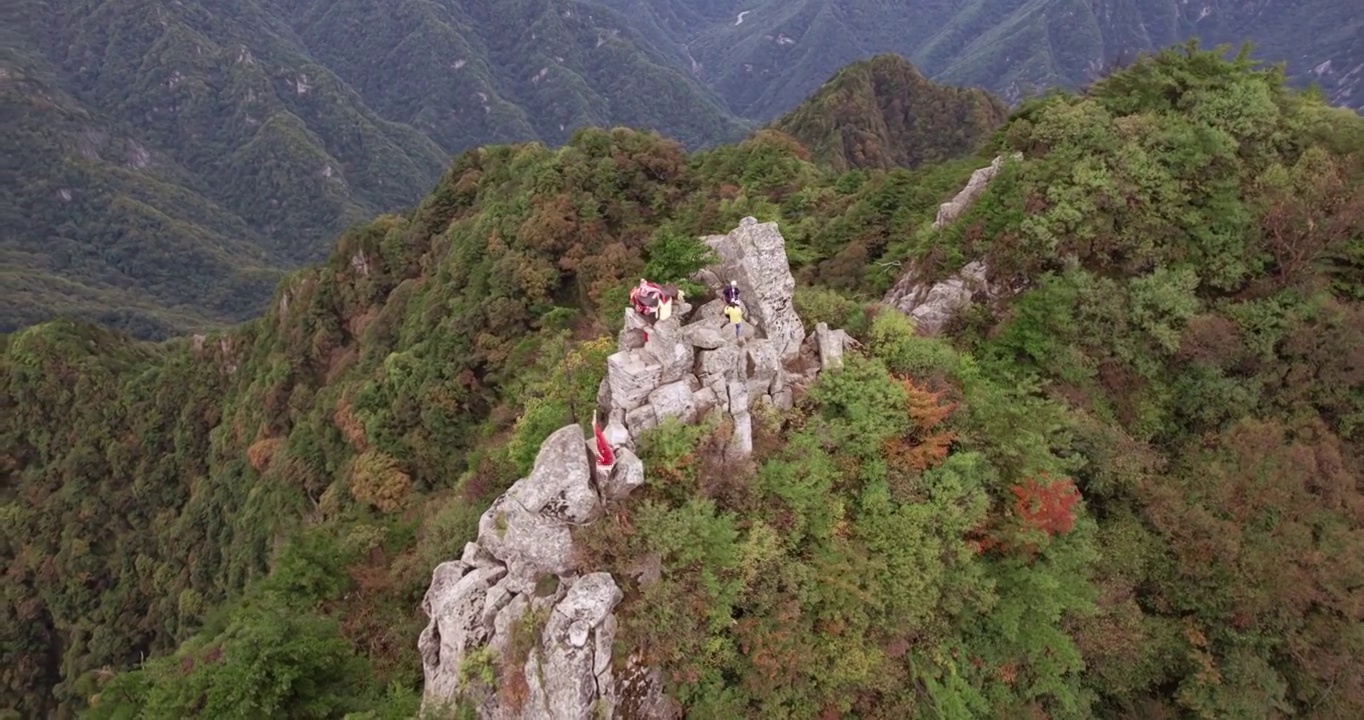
pixel 736 317
pixel 732 293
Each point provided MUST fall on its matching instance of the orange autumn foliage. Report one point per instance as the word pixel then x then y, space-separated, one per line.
pixel 925 445
pixel 1040 504
pixel 1046 506
pixel 262 452
pixel 349 424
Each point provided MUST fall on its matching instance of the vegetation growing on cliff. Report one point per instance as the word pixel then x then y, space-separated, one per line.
pixel 883 113
pixel 1127 487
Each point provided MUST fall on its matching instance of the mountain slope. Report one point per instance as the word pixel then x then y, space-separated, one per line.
pixel 266 128
pixel 201 156
pixel 883 113
pixel 271 134
pixel 100 227
pixel 766 61
pixel 468 73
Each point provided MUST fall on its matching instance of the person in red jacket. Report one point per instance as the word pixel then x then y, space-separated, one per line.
pixel 646 298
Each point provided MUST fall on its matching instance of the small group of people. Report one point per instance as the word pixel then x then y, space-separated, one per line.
pixel 655 302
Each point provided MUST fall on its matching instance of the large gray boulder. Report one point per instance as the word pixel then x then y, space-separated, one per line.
pixel 754 255
pixel 626 475
pixel 527 528
pixel 830 346
pixel 932 304
pixel 674 400
pixel 476 603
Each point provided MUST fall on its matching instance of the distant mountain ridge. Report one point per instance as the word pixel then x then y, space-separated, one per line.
pixel 764 56
pixel 206 149
pixel 469 73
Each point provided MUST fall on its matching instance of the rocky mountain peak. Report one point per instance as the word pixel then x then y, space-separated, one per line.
pixel 520 578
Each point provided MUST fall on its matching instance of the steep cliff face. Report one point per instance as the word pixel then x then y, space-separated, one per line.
pixel 516 599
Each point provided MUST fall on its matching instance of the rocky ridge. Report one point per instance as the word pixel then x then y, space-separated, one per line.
pixel 932 304
pixel 517 591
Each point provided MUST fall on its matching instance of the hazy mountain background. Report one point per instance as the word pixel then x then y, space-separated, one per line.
pixel 764 56
pixel 172 158
pixel 168 161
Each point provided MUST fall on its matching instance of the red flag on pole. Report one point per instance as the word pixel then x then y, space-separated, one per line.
pixel 605 456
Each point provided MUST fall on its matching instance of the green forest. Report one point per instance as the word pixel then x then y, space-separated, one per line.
pixel 883 113
pixel 1129 485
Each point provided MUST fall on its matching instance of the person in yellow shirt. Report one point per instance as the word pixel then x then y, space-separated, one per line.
pixel 736 318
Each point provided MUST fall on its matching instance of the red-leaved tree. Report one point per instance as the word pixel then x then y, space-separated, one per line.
pixel 1046 505
pixel 1041 505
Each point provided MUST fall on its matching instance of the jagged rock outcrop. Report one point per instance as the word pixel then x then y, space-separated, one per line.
pixel 932 304
pixel 754 256
pixel 519 572
pixel 520 575
pixel 693 362
pixel 980 179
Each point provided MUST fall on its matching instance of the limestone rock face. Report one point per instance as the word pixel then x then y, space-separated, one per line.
pixel 523 540
pixel 675 399
pixel 668 345
pixel 455 603
pixel 692 360
pixel 523 568
pixel 704 336
pixel 754 255
pixel 527 528
pixel 932 304
pixel 569 674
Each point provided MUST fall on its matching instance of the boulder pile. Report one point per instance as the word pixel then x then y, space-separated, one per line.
pixel 693 362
